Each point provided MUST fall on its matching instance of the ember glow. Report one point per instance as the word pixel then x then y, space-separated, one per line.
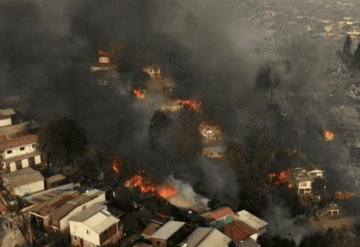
pixel 138 93
pixel 115 165
pixel 209 131
pixel 139 180
pixel 193 104
pixel 282 178
pixel 329 135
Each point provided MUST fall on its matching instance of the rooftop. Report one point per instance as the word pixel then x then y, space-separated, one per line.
pixel 218 213
pixel 238 231
pixel 7 112
pixel 72 204
pixel 169 229
pixel 55 178
pixel 18 142
pixel 251 219
pixel 22 177
pixel 207 237
pixel 96 217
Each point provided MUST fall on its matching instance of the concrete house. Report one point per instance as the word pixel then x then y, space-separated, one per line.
pixel 24 182
pixel 19 152
pixel 59 219
pixel 168 235
pixel 303 177
pixel 93 227
pixel 6 116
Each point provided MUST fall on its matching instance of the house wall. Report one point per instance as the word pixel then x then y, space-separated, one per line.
pixel 18 151
pixel 29 188
pixel 64 222
pixel 158 242
pixel 5 122
pixel 82 231
pixel 221 222
pixel 24 163
pixel 304 187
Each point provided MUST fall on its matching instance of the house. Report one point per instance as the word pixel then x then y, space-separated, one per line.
pixel 303 178
pixel 219 217
pixel 214 151
pixel 151 229
pixel 23 182
pixel 330 210
pixel 168 235
pixel 59 219
pixel 238 231
pixel 170 106
pixel 45 204
pixel 152 71
pixel 206 237
pixel 55 181
pixel 19 152
pixel 6 116
pixel 249 242
pixel 254 222
pixel 94 226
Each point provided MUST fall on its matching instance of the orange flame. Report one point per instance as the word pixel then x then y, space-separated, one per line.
pixel 329 135
pixel 138 180
pixel 193 104
pixel 280 179
pixel 138 93
pixel 115 165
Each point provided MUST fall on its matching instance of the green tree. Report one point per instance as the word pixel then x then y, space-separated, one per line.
pixel 186 135
pixel 124 197
pixel 62 141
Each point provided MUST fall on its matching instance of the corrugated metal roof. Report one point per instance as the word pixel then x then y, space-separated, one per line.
pixel 55 178
pixel 18 142
pixel 96 218
pixel 22 177
pixel 168 230
pixel 207 237
pixel 251 219
pixel 7 112
pixel 238 230
pixel 218 213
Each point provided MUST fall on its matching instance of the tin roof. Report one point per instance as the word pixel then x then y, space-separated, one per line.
pixel 167 230
pixel 18 142
pixel 218 213
pixel 207 237
pixel 251 219
pixel 22 177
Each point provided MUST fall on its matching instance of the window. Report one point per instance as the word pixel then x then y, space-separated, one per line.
pixel 33 146
pixel 87 232
pixel 22 148
pixel 9 151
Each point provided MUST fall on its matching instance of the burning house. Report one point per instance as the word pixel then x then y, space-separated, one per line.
pixel 213 140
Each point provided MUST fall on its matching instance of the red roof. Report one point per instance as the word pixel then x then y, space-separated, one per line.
pixel 18 142
pixel 238 231
pixel 220 213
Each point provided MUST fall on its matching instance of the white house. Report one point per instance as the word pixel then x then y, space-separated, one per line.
pixel 19 152
pixel 59 219
pixel 93 227
pixel 23 182
pixel 6 116
pixel 214 151
pixel 303 178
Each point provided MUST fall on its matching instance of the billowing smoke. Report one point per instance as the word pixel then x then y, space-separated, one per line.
pixel 206 46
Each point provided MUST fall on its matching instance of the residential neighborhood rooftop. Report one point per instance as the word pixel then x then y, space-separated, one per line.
pixel 167 230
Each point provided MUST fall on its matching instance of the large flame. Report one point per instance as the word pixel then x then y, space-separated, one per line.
pixel 282 178
pixel 193 104
pixel 138 93
pixel 329 135
pixel 139 180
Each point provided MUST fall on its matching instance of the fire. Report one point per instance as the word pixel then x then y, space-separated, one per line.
pixel 210 132
pixel 139 180
pixel 138 93
pixel 115 165
pixel 329 135
pixel 280 179
pixel 193 104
